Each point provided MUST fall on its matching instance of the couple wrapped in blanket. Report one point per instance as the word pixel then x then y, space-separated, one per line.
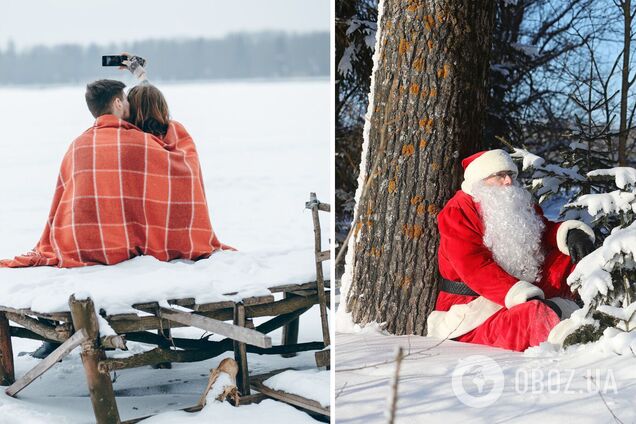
pixel 130 185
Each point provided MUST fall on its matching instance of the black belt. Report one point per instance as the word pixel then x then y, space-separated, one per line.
pixel 456 287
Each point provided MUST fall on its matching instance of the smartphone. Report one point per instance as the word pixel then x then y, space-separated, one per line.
pixel 116 60
pixel 113 60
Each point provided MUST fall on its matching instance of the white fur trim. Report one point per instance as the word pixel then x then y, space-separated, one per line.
pixel 562 234
pixel 563 329
pixel 489 163
pixel 567 306
pixel 520 292
pixel 460 319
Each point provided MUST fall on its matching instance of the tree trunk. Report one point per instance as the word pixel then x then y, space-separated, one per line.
pixel 625 84
pixel 429 97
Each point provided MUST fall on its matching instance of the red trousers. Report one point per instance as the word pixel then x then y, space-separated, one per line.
pixel 529 323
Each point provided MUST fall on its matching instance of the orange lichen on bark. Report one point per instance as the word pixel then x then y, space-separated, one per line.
pixel 426 124
pixel 418 64
pixel 412 231
pixel 391 186
pixel 429 22
pixel 433 209
pixel 435 166
pixel 423 144
pixel 415 200
pixel 376 253
pixel 405 282
pixel 357 229
pixel 430 44
pixel 413 5
pixel 415 89
pixel 421 209
pixel 443 72
pixel 408 150
pixel 404 46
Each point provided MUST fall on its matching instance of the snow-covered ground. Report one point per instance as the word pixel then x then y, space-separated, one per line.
pixel 263 148
pixel 451 382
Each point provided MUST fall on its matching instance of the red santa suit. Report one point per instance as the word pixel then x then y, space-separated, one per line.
pixel 499 313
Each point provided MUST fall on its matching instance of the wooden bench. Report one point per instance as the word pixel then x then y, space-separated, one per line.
pixel 79 326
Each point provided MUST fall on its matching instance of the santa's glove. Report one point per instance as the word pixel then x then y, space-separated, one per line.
pixel 579 244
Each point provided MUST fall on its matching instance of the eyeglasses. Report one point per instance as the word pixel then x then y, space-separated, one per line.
pixel 502 175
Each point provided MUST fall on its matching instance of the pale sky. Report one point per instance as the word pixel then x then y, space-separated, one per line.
pixel 31 22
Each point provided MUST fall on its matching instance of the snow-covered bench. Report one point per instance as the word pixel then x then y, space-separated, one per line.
pixel 102 307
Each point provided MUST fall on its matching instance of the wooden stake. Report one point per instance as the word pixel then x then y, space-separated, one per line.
pixel 7 371
pixel 100 385
pixel 240 353
pixel 320 280
pixel 45 364
pixel 394 386
pixel 290 331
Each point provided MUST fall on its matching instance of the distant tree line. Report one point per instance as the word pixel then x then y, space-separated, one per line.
pixel 236 56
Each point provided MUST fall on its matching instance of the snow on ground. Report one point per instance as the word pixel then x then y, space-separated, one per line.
pixel 451 382
pixel 310 384
pixel 263 148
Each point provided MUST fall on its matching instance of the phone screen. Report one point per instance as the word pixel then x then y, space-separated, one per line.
pixel 112 60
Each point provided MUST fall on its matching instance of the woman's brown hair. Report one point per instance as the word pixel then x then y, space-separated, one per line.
pixel 149 109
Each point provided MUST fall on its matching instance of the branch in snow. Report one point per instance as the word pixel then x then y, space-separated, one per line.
pixel 615 202
pixel 624 177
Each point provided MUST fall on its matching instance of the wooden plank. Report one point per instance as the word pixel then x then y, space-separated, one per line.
pixel 240 354
pixel 55 316
pixel 7 369
pixel 215 306
pixel 292 287
pixel 292 399
pixel 248 301
pixel 232 331
pixel 304 293
pixel 325 255
pixel 45 330
pixel 45 364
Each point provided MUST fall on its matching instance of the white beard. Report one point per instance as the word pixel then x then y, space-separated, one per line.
pixel 512 229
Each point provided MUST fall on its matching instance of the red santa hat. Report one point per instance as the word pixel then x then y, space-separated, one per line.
pixel 483 164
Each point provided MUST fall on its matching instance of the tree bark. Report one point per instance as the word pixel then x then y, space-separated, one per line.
pixel 429 97
pixel 625 83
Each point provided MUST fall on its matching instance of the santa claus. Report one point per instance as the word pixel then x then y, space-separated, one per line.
pixel 503 264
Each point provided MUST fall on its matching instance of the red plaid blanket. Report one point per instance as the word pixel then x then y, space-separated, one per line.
pixel 123 193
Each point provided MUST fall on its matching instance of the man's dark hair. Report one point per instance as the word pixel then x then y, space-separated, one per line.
pixel 100 94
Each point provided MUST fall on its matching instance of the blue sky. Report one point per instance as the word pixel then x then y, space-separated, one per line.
pixel 31 22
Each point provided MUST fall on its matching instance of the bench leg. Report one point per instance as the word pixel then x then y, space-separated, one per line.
pixel 100 385
pixel 7 371
pixel 240 353
pixel 290 332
